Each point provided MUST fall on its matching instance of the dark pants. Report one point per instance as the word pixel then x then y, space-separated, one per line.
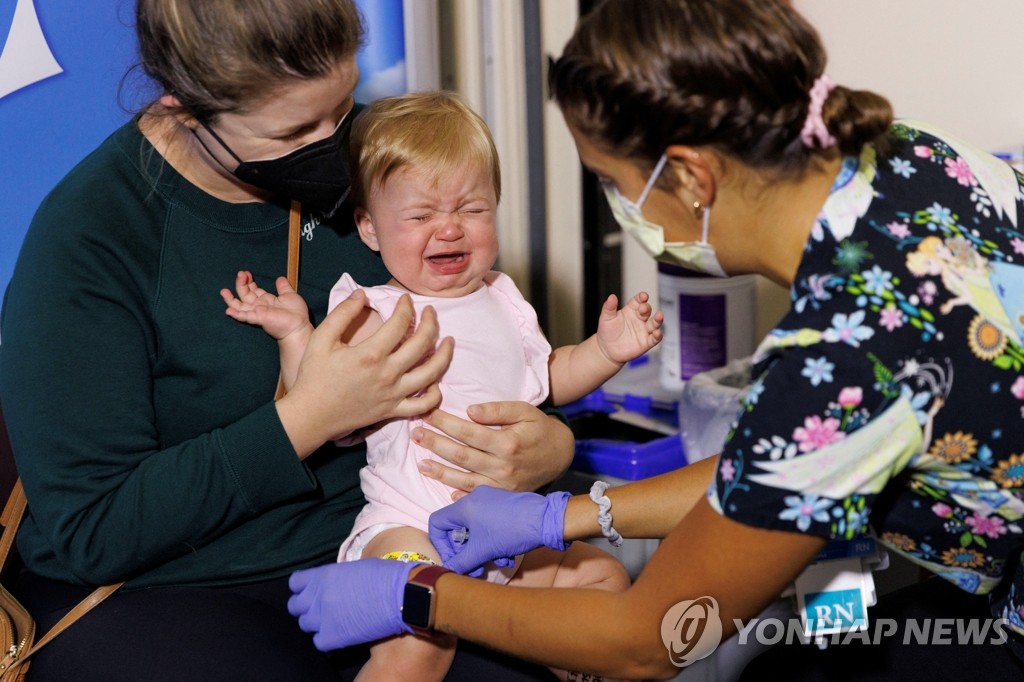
pixel 899 657
pixel 229 633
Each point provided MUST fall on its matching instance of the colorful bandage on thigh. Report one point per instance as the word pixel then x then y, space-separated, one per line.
pixel 407 556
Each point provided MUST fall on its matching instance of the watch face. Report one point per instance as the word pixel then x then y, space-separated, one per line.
pixel 416 606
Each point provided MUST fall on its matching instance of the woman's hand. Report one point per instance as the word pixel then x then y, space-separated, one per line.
pixel 528 450
pixel 339 388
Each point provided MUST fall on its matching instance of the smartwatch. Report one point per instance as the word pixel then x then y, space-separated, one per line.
pixel 418 602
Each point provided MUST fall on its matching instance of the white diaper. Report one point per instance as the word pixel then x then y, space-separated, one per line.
pixel 492 573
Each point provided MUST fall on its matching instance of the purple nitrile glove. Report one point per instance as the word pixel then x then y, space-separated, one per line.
pixel 500 525
pixel 351 602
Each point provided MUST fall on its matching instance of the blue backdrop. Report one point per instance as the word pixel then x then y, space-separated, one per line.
pixel 60 69
pixel 49 122
pixel 382 59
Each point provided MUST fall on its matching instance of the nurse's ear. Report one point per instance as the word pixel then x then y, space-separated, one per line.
pixel 695 170
pixel 367 231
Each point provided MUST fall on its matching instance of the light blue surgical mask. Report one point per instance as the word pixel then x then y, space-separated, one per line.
pixel 699 256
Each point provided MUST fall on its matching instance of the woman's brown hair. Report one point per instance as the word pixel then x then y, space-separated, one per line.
pixel 220 56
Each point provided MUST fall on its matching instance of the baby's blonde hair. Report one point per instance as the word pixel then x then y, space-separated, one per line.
pixel 436 132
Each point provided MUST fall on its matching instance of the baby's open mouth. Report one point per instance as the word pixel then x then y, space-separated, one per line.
pixel 446 258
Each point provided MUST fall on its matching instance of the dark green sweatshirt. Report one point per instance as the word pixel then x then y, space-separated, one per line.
pixel 141 416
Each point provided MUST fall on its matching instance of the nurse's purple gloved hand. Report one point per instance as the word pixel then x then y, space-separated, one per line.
pixel 351 602
pixel 491 524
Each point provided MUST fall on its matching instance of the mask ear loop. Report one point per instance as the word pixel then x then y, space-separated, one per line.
pixel 221 142
pixel 638 204
pixel 215 136
pixel 704 213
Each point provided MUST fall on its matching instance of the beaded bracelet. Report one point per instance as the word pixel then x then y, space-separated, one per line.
pixel 604 516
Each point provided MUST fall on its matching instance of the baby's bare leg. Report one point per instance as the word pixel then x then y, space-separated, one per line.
pixel 408 657
pixel 582 565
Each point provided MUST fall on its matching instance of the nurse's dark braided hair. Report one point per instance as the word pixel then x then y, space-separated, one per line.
pixel 735 75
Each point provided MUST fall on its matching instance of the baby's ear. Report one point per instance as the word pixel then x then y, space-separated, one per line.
pixel 367 232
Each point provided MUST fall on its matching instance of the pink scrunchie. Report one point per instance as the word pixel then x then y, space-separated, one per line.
pixel 814 126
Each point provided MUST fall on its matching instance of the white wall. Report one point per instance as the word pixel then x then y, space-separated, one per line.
pixel 564 194
pixel 484 39
pixel 952 62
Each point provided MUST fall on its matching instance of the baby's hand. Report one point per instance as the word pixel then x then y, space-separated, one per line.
pixel 623 335
pixel 278 315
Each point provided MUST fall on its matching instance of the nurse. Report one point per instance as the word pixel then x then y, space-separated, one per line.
pixel 887 401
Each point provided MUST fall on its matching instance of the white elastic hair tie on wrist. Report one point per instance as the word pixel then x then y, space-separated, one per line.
pixel 604 516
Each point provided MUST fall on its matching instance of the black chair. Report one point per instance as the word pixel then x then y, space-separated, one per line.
pixel 8 477
pixel 8 472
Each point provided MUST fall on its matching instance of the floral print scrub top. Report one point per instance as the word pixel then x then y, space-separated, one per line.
pixel 892 393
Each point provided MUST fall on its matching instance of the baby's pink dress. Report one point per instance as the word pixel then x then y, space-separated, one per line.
pixel 500 354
